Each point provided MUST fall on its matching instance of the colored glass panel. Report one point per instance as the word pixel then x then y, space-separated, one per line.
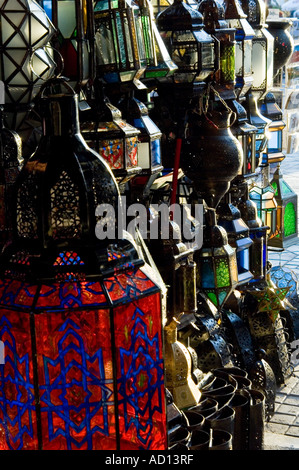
pixel 75 380
pixel 132 151
pixel 128 286
pixel 156 152
pixel 16 293
pixel 222 273
pixel 227 62
pixel 112 151
pixel 140 375
pixel 17 404
pixel 212 296
pixel 289 220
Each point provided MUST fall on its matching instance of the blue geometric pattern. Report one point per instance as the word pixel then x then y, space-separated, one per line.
pixel 152 369
pixel 88 380
pixel 18 383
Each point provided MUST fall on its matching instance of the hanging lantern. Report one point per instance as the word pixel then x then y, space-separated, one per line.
pixel 229 218
pixel 190 47
pixel 115 140
pixel 80 316
pixel 244 34
pixel 26 61
pixel 271 110
pixel 287 209
pixel 149 139
pixel 216 25
pixel 123 46
pixel 74 40
pixel 266 204
pixel 283 41
pixel 246 134
pixel 217 263
pixel 262 47
pixel 261 123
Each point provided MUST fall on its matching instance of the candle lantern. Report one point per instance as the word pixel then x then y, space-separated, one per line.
pixel 80 316
pixel 262 47
pixel 236 18
pixel 216 25
pixel 246 134
pixel 264 198
pixel 229 218
pixel 123 40
pixel 26 62
pixel 217 262
pixel 189 45
pixel 114 139
pixel 271 110
pixel 74 40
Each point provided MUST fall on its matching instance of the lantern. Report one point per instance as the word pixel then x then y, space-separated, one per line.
pixel 229 218
pixel 287 209
pixel 114 139
pixel 122 51
pixel 246 134
pixel 26 60
pixel 190 47
pixel 271 110
pixel 149 140
pixel 80 316
pixel 266 204
pixel 216 25
pixel 261 123
pixel 217 263
pixel 244 34
pixel 74 40
pixel 283 41
pixel 262 47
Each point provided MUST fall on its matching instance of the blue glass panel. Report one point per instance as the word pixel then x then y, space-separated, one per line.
pixel 207 274
pixel 156 152
pixel 47 6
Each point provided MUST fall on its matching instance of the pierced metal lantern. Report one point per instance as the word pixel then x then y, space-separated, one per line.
pixel 123 40
pixel 217 263
pixel 246 134
pixel 216 25
pixel 229 218
pixel 262 47
pixel 189 45
pixel 244 34
pixel 74 39
pixel 287 211
pixel 115 140
pixel 26 59
pixel 80 316
pixel 271 110
pixel 149 139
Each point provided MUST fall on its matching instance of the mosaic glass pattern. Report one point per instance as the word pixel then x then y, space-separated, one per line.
pixel 112 151
pixel 222 273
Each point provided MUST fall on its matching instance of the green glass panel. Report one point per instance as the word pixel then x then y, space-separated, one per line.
pixel 289 220
pixel 227 62
pixel 222 274
pixel 274 186
pixel 213 298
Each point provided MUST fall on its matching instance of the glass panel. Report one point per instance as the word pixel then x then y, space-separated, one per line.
pixel 290 220
pixel 113 152
pixel 104 42
pixel 132 152
pixel 227 61
pixel 156 152
pixel 259 63
pixel 274 142
pixel 207 273
pixel 66 13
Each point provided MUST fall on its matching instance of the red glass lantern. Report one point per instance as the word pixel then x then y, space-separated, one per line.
pixel 80 317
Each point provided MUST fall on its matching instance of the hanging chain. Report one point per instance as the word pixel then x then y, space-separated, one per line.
pixel 204 107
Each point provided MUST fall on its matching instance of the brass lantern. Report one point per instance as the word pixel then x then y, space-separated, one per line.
pixel 244 34
pixel 189 45
pixel 74 40
pixel 262 47
pixel 217 262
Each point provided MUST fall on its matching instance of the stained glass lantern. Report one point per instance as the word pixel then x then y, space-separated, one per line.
pixel 216 25
pixel 264 198
pixel 246 134
pixel 149 139
pixel 80 316
pixel 115 140
pixel 271 110
pixel 244 34
pixel 26 60
pixel 229 218
pixel 217 262
pixel 190 47
pixel 123 40
pixel 74 39
pixel 262 47
pixel 287 210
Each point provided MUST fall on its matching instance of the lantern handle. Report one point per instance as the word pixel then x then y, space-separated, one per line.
pixel 43 48
pixel 60 80
pixel 205 108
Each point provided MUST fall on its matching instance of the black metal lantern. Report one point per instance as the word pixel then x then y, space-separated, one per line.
pixel 216 25
pixel 261 123
pixel 246 134
pixel 262 47
pixel 74 39
pixel 123 39
pixel 244 35
pixel 189 45
pixel 270 109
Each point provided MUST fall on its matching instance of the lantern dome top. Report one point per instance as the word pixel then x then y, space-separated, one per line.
pixel 255 11
pixel 179 16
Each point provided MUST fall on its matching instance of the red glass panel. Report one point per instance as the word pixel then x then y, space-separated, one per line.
pixel 16 293
pixel 76 380
pixel 140 374
pixel 128 285
pixel 18 428
pixel 71 294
